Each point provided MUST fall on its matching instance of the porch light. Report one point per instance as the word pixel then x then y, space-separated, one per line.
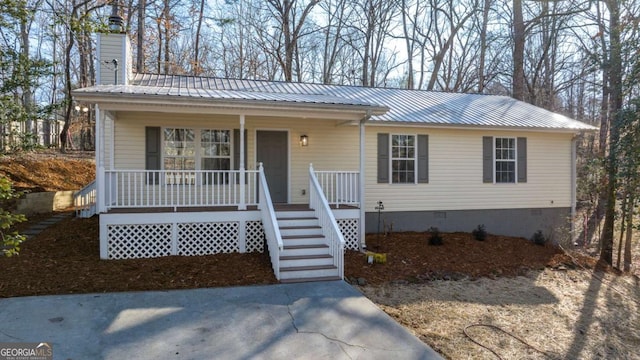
pixel 304 140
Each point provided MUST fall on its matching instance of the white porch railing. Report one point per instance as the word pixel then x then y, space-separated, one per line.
pixel 84 201
pixel 269 223
pixel 340 187
pixel 179 188
pixel 330 229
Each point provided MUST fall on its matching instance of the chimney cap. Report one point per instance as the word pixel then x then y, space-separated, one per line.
pixel 116 23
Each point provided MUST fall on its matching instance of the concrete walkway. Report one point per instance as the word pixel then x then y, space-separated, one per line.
pixel 323 320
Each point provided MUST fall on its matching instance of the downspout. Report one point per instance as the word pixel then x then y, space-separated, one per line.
pixel 574 185
pixel 362 227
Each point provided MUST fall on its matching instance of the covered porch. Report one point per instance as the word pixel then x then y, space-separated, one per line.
pixel 175 181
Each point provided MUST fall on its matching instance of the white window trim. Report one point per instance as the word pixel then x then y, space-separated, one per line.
pixel 515 160
pixel 197 142
pixel 415 159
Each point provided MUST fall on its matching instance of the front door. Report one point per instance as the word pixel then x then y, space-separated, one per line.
pixel 272 151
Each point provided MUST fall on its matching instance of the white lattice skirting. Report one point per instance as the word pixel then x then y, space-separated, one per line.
pixel 349 228
pixel 176 235
pixel 135 236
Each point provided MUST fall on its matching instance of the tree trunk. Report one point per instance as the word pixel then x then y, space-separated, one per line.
pixel 197 69
pixel 615 104
pixel 483 45
pixel 627 243
pixel 518 51
pixel 142 4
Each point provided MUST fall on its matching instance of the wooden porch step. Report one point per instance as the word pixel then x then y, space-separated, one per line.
pixel 303 257
pixel 312 246
pixel 286 237
pixel 302 227
pixel 312 279
pixel 298 218
pixel 305 268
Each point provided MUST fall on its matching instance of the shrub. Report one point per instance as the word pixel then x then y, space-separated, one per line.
pixel 538 238
pixel 10 244
pixel 480 233
pixel 434 236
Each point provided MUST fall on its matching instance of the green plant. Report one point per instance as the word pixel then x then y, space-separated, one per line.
pixel 434 236
pixel 10 241
pixel 479 233
pixel 538 238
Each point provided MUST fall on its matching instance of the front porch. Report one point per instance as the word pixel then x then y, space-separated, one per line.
pixel 190 213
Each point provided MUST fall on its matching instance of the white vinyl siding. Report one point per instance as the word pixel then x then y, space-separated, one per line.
pixel 455 170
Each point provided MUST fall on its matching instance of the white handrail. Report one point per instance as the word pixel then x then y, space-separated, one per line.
pixel 179 188
pixel 340 187
pixel 330 229
pixel 269 223
pixel 84 201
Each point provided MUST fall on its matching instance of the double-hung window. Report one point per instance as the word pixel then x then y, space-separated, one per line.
pixel 403 159
pixel 505 160
pixel 215 154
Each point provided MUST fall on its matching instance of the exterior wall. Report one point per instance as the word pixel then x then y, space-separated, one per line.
pixel 113 46
pixel 554 222
pixel 331 147
pixel 455 174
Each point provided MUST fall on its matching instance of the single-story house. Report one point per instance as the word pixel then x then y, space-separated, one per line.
pixel 193 165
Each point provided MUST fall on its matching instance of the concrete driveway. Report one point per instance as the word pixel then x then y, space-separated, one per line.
pixel 323 320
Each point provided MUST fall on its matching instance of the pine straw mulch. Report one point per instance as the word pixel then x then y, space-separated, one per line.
pixel 64 259
pixel 48 170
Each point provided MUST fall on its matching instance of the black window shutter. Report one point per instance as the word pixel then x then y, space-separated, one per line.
pixel 522 159
pixel 423 159
pixel 487 159
pixel 383 158
pixel 152 152
pixel 236 151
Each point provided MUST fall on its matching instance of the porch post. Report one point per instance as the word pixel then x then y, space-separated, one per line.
pixel 242 205
pixel 99 139
pixel 361 224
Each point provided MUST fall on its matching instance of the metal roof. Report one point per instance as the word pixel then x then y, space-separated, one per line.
pixel 404 106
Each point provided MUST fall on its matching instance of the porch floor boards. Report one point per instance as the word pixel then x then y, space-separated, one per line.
pixel 170 209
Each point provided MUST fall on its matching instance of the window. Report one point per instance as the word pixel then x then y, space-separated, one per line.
pixel 505 160
pixel 215 149
pixel 215 154
pixel 193 149
pixel 179 149
pixel 403 159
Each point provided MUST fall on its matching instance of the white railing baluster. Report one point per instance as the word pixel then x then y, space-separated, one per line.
pixel 177 188
pixel 330 229
pixel 269 223
pixel 339 187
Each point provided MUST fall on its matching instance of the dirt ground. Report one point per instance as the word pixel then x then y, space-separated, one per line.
pixel 559 314
pixel 48 170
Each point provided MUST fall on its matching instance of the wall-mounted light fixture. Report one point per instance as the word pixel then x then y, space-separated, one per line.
pixel 304 140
